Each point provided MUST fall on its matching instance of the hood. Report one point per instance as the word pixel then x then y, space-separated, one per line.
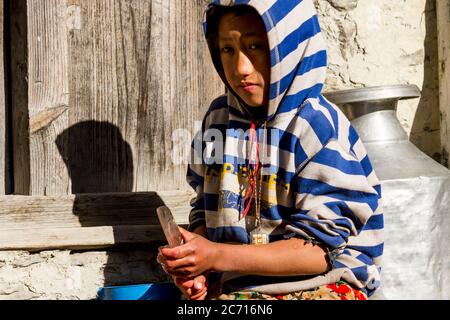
pixel 297 52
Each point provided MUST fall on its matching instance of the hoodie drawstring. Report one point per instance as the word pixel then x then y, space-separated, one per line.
pixel 252 172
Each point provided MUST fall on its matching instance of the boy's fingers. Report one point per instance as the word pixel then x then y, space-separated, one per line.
pixel 199 294
pixel 178 252
pixel 202 297
pixel 178 273
pixel 188 292
pixel 199 282
pixel 198 285
pixel 162 247
pixel 185 283
pixel 160 258
pixel 184 268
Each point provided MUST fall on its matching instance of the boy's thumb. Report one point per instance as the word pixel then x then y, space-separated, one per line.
pixel 199 282
pixel 187 236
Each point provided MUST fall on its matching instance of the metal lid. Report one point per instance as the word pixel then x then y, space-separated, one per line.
pixel 393 92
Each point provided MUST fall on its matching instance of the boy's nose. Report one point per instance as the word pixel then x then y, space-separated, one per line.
pixel 244 66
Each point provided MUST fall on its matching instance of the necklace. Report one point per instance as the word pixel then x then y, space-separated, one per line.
pixel 252 173
pixel 259 237
pixel 253 192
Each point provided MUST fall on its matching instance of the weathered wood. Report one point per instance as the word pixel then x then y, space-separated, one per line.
pixel 2 109
pixel 443 12
pixel 131 72
pixel 18 39
pixel 45 118
pixel 48 59
pixel 90 210
pixel 78 238
pixel 86 220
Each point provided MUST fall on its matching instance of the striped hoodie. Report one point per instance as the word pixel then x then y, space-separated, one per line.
pixel 317 180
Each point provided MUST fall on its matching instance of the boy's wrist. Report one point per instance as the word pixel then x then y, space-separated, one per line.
pixel 221 260
pixel 216 259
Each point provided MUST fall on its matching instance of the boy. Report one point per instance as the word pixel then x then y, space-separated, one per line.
pixel 303 220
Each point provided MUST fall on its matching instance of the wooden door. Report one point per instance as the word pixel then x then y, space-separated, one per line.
pixel 100 87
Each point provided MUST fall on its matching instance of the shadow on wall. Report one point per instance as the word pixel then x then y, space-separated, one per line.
pixel 425 129
pixel 99 160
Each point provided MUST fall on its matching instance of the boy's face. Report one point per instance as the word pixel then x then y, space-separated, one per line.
pixel 244 52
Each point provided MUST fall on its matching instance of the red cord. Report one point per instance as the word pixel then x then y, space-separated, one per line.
pixel 252 174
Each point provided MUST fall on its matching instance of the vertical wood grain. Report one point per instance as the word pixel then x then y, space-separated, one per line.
pixel 143 67
pixel 443 12
pixel 20 138
pixel 3 145
pixel 48 90
pixel 104 85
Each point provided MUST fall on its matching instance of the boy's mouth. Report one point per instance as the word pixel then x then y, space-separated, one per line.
pixel 249 86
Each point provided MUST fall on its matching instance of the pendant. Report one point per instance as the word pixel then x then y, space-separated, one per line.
pixel 259 237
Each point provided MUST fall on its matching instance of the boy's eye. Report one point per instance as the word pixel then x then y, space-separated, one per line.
pixel 255 46
pixel 227 49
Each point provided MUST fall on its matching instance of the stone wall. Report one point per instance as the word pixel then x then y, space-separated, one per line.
pixel 387 42
pixel 370 43
pixel 74 275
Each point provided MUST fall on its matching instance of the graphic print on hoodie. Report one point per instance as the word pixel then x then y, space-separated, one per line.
pixel 318 183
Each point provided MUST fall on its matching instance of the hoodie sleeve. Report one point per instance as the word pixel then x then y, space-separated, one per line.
pixel 195 178
pixel 337 202
pixel 197 167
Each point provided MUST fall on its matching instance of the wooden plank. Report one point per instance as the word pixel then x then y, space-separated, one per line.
pixel 90 210
pixel 109 83
pixel 3 116
pixel 78 238
pixel 86 220
pixel 48 59
pixel 20 139
pixel 443 13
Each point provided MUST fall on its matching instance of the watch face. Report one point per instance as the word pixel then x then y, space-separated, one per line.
pixel 169 226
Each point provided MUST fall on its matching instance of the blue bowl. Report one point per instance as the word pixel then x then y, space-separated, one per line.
pixel 152 291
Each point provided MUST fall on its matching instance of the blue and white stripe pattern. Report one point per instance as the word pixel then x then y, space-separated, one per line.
pixel 318 182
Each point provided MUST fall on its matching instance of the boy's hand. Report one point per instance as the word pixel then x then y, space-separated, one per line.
pixel 195 257
pixel 193 289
